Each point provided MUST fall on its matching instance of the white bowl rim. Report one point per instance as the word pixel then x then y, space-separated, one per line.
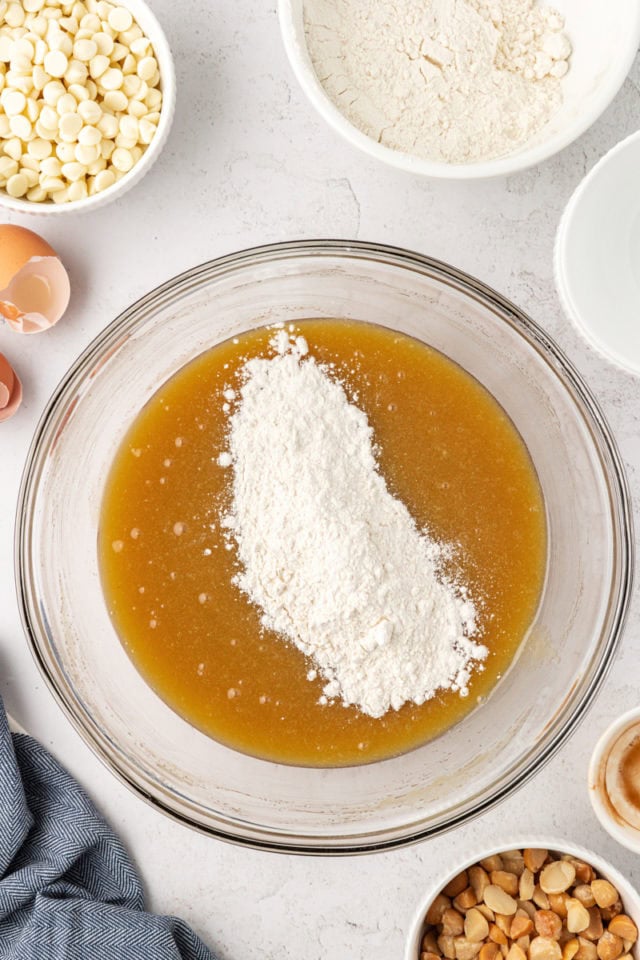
pixel 168 85
pixel 544 842
pixel 560 265
pixel 500 166
pixel 626 836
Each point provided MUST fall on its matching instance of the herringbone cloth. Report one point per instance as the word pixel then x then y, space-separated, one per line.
pixel 68 890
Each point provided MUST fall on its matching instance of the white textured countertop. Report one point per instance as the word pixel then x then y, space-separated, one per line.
pixel 249 162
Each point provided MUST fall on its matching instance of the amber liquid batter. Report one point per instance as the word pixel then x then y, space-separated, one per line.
pixel 446 448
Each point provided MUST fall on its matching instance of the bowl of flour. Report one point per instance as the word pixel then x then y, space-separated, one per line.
pixel 465 90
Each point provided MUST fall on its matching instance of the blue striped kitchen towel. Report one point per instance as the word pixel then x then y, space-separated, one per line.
pixel 68 890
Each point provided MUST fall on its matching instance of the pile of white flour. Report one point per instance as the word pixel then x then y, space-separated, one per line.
pixel 456 81
pixel 335 562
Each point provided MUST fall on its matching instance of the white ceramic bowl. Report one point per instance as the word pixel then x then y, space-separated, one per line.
pixel 619 829
pixel 629 896
pixel 148 22
pixel 597 256
pixel 605 38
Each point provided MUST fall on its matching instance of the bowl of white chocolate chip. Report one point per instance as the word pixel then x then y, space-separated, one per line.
pixel 466 90
pixel 87 96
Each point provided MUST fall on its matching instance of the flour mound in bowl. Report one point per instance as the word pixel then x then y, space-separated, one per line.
pixel 333 560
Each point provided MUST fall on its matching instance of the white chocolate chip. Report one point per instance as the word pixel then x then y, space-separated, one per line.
pixel 14 17
pixel 37 194
pixel 76 73
pixel 116 100
pixel 21 127
pixel 32 111
pixel 66 104
pixel 51 92
pixel 131 35
pixel 91 22
pixel 98 65
pixel 89 136
pixel 86 154
pixel 119 52
pixel 104 180
pixel 70 127
pixel 56 63
pixel 131 85
pixel 13 148
pixel 73 170
pixel 13 102
pixel 85 50
pixel 40 77
pixel 51 167
pixel 147 131
pixel 112 79
pixel 79 92
pixel 31 175
pixel 146 68
pixel 122 159
pixel 89 111
pixel 7 167
pixel 140 47
pixel 153 99
pixel 97 166
pixel 135 108
pixel 65 152
pixel 78 190
pixel 17 185
pixel 129 127
pixel 120 19
pixel 40 149
pixel 104 43
pixel 108 126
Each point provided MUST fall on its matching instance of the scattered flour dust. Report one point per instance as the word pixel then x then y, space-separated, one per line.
pixel 456 81
pixel 336 563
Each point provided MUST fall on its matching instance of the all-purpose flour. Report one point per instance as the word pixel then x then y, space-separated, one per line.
pixel 335 562
pixel 450 80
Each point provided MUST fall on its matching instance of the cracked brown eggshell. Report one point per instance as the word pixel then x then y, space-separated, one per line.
pixel 10 389
pixel 34 285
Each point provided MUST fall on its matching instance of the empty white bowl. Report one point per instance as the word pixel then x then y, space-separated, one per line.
pixel 629 896
pixel 148 22
pixel 602 770
pixel 597 258
pixel 605 38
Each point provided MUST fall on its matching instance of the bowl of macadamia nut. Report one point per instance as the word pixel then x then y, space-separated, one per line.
pixel 539 900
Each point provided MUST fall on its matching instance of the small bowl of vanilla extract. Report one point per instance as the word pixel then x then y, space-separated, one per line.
pixel 614 780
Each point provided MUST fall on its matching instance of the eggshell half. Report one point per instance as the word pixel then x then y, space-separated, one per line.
pixel 10 390
pixel 34 285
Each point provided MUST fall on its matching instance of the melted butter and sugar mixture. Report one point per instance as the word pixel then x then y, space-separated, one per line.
pixel 446 449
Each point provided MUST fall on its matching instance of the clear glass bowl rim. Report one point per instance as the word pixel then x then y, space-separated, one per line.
pixel 563 724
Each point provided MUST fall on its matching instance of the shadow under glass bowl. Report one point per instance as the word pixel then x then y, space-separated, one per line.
pixel 476 763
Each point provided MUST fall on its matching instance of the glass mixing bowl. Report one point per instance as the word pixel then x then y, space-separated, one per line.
pixel 502 742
